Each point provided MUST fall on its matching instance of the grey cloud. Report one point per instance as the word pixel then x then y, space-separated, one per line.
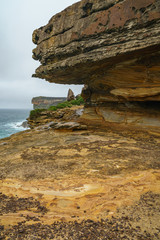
pixel 18 19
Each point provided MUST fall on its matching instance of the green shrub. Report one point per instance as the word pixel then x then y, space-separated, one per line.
pixel 52 108
pixel 78 101
pixel 64 104
pixel 35 113
pixel 74 102
pixel 60 106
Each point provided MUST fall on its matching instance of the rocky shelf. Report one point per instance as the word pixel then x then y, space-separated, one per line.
pixel 83 184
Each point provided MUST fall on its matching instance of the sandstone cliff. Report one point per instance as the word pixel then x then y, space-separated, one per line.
pixel 113 48
pixel 46 102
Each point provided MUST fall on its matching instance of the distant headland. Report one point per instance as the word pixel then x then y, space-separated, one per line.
pixel 46 102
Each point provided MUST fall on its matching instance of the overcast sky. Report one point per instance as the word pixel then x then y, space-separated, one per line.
pixel 18 19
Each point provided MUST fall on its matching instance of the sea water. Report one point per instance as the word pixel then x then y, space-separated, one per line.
pixel 11 121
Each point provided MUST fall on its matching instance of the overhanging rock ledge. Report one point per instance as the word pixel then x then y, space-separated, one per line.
pixel 111 46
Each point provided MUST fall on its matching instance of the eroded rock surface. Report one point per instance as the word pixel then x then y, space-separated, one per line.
pixel 45 117
pixel 92 184
pixel 111 46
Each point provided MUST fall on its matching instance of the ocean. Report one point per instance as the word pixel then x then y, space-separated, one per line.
pixel 11 121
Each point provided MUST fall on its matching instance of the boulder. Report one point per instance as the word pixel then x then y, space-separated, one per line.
pixel 25 124
pixel 70 95
pixel 111 46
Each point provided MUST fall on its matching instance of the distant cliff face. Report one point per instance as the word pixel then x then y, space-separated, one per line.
pixel 46 102
pixel 111 46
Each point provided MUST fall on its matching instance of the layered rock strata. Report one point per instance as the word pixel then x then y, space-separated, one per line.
pixel 46 117
pixel 46 102
pixel 113 48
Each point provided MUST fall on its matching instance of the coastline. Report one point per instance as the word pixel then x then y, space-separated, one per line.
pixel 11 121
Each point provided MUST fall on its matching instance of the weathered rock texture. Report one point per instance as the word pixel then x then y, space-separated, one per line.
pixel 74 185
pixel 113 48
pixel 46 102
pixel 46 117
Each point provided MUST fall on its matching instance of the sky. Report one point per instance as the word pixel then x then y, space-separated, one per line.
pixel 18 20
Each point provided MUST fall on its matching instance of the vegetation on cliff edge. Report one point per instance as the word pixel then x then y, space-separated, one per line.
pixel 37 112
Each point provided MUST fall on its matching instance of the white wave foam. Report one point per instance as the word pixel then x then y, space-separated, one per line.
pixel 16 126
